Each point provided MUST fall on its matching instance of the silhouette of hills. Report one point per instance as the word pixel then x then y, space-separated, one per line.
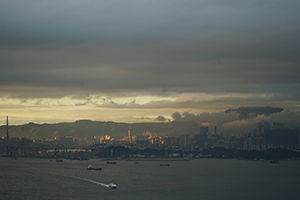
pixel 89 129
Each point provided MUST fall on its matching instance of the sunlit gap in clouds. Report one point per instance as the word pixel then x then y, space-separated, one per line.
pixel 121 108
pixel 72 108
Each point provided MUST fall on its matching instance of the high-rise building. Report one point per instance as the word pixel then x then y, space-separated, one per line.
pixel 7 138
pixel 254 132
pixel 277 126
pixel 97 139
pixel 215 130
pixel 129 135
pixel 66 141
pixel 222 135
pixel 204 130
pixel 260 127
pixel 184 140
pixel 299 138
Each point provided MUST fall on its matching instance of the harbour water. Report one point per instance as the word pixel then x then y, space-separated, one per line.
pixel 207 179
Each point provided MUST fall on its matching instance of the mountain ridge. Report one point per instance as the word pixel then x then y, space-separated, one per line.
pixel 187 124
pixel 89 129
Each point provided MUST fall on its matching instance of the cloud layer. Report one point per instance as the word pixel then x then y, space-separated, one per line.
pixel 184 56
pixel 242 120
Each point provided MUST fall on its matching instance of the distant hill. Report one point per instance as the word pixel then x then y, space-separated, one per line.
pixel 89 129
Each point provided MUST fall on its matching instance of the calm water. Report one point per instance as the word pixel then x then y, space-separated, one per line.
pixel 197 179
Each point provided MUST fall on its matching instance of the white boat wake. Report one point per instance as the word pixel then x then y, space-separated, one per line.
pixel 111 185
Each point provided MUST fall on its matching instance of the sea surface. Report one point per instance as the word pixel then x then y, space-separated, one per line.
pixel 205 179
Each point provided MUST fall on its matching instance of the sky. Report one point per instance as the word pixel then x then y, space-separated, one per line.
pixel 144 60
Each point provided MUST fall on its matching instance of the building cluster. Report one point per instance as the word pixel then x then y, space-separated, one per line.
pixel 254 140
pixel 205 138
pixel 257 139
pixel 57 142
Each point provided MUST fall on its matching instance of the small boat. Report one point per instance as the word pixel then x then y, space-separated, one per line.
pixel 112 186
pixel 111 162
pixel 59 160
pixel 164 164
pixel 90 167
pixel 274 161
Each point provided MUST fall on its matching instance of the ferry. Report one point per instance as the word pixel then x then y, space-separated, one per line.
pixel 90 167
pixel 112 186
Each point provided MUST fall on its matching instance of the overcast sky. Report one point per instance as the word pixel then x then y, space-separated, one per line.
pixel 135 60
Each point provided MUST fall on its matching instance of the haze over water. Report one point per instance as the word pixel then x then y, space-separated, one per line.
pixel 24 178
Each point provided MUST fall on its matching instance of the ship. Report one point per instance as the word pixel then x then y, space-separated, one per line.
pixel 274 161
pixel 164 164
pixel 111 162
pixel 90 167
pixel 112 186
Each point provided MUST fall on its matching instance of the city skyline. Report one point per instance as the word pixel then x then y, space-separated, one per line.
pixel 135 61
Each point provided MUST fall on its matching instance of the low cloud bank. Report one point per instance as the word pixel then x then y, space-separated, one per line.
pixel 242 120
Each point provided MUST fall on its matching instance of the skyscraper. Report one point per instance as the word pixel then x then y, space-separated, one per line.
pixel 7 139
pixel 299 138
pixel 215 130
pixel 129 135
pixel 204 130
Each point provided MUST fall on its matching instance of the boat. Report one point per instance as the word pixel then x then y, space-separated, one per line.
pixel 90 167
pixel 274 161
pixel 112 186
pixel 164 164
pixel 111 162
pixel 59 160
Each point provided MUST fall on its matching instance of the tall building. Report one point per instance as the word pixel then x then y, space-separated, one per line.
pixel 129 135
pixel 204 130
pixel 222 135
pixel 299 138
pixel 254 132
pixel 260 129
pixel 97 139
pixel 184 140
pixel 277 126
pixel 215 130
pixel 66 141
pixel 7 138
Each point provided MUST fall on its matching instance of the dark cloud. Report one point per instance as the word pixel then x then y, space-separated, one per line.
pixel 230 122
pixel 211 118
pixel 288 118
pixel 188 116
pixel 161 118
pixel 251 112
pixel 176 115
